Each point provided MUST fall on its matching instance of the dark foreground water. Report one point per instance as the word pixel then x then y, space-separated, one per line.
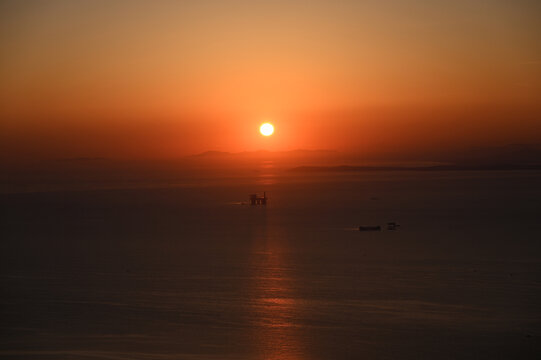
pixel 186 272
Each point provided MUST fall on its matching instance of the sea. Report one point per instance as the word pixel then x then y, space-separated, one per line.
pixel 187 269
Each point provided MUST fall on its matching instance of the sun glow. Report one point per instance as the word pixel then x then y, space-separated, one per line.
pixel 266 129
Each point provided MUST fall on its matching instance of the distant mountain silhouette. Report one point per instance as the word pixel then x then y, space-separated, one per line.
pixel 513 154
pixel 255 159
pixel 347 168
pixel 83 159
pixel 210 154
pixel 509 157
pixel 296 153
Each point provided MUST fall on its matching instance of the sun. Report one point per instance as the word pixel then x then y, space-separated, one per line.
pixel 266 129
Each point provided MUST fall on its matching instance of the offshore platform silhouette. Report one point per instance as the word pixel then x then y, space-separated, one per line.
pixel 258 200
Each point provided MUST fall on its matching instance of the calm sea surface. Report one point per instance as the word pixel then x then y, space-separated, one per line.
pixel 185 271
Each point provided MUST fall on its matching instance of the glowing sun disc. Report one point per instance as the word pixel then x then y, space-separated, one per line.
pixel 266 129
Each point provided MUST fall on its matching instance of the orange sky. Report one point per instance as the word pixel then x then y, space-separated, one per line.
pixel 169 78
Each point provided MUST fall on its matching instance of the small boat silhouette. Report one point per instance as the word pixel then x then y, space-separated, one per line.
pixel 370 228
pixel 392 226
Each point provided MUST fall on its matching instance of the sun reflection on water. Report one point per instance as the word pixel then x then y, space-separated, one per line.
pixel 275 306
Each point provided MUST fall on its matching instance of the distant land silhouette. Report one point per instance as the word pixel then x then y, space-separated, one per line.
pixel 346 168
pixel 93 171
pixel 509 154
pixel 509 157
pixel 295 153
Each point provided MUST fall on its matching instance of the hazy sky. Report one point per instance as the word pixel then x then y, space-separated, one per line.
pixel 168 78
